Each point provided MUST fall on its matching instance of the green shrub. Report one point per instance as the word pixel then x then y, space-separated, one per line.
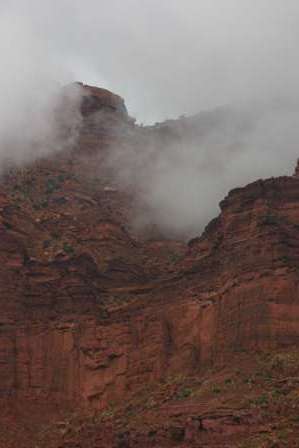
pixel 184 393
pixel 68 248
pixel 216 390
pixel 54 183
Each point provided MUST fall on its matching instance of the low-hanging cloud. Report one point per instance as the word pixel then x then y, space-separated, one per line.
pixel 166 58
pixel 180 170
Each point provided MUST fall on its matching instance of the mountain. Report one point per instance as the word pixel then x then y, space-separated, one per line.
pixel 112 335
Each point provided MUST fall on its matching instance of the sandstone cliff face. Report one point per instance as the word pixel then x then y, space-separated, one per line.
pixel 254 243
pixel 91 312
pixel 68 262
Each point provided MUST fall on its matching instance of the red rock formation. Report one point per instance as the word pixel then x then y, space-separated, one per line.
pixel 91 313
pixel 95 99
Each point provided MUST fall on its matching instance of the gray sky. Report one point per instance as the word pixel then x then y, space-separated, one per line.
pixel 166 57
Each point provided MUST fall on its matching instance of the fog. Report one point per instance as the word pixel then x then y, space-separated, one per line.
pixel 180 171
pixel 31 95
pixel 166 58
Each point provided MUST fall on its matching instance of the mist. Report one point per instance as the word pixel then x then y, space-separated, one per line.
pixel 166 58
pixel 31 117
pixel 180 170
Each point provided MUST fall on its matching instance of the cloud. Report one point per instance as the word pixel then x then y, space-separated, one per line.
pixel 180 171
pixel 30 92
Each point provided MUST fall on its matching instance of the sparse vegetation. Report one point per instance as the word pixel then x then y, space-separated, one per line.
pixel 68 248
pixel 174 258
pixel 184 393
pixel 285 259
pixel 216 390
pixel 52 185
pixel 262 400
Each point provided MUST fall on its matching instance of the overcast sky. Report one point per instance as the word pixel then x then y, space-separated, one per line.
pixel 166 57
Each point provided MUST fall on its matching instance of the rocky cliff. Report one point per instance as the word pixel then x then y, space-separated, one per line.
pixel 95 315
